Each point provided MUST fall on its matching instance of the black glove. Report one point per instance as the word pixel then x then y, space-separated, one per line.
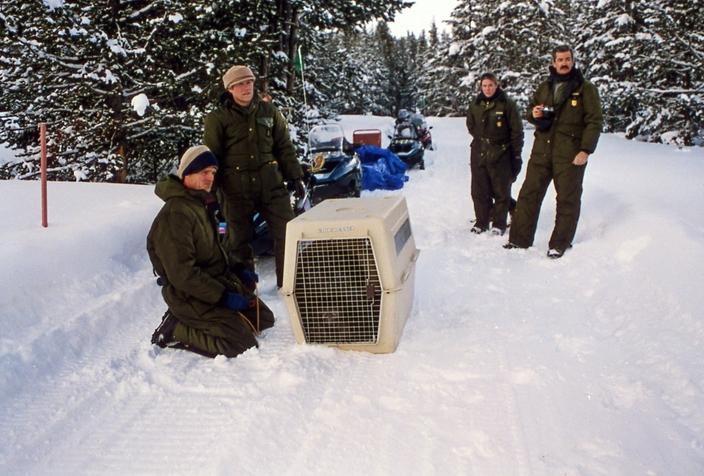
pixel 236 302
pixel 543 123
pixel 516 165
pixel 248 277
pixel 300 188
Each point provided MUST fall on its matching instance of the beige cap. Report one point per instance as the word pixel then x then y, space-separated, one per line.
pixel 237 74
pixel 195 159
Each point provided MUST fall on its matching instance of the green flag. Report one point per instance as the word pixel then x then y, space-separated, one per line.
pixel 298 61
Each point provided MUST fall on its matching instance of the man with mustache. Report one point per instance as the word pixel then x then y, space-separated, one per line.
pixel 566 112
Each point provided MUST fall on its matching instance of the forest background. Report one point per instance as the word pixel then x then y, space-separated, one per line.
pixel 124 86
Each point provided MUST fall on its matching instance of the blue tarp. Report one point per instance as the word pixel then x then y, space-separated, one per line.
pixel 381 168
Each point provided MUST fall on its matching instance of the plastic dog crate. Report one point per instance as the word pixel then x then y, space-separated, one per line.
pixel 349 273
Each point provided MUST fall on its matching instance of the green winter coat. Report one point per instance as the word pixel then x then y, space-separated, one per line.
pixel 254 149
pixel 185 250
pixel 497 131
pixel 573 126
pixel 576 124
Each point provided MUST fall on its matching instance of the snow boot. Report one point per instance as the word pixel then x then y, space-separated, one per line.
pixel 163 335
pixel 557 253
pixel 554 253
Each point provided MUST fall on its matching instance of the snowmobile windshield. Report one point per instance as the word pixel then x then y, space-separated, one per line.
pixel 326 138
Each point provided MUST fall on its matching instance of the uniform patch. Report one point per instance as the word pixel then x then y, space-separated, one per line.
pixel 266 121
pixel 573 102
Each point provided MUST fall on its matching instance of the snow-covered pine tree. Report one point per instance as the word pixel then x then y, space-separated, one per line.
pixel 375 97
pixel 88 63
pixel 384 47
pixel 420 61
pixel 343 73
pixel 79 66
pixel 511 39
pixel 405 69
pixel 441 67
pixel 56 77
pixel 352 73
pixel 648 60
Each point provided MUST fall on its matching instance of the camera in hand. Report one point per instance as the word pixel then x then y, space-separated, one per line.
pixel 548 112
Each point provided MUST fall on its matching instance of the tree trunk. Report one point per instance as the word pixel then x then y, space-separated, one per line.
pixel 292 45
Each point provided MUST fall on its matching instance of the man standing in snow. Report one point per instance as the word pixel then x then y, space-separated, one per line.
pixel 566 112
pixel 250 138
pixel 212 308
pixel 495 124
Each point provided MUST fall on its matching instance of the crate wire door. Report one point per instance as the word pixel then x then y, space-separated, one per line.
pixel 338 291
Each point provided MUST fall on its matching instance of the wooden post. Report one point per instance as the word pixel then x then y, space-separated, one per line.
pixel 42 142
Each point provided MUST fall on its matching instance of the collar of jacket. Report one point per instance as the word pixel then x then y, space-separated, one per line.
pixel 572 82
pixel 574 74
pixel 206 197
pixel 227 101
pixel 171 186
pixel 499 96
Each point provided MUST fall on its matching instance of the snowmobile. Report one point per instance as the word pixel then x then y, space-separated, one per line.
pixel 407 145
pixel 334 168
pixel 422 128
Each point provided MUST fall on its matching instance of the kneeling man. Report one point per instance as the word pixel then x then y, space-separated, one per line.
pixel 212 308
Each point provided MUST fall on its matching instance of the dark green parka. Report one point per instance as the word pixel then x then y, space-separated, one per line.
pixel 575 124
pixel 252 144
pixel 185 249
pixel 497 130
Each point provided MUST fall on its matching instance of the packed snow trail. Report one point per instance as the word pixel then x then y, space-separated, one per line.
pixel 511 363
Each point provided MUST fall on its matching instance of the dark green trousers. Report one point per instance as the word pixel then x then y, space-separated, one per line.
pixel 230 338
pixel 277 212
pixel 567 179
pixel 491 192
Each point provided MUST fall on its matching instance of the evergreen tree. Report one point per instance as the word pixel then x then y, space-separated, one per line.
pixel 406 65
pixel 442 75
pixel 647 59
pixel 511 39
pixel 80 65
pixel 87 63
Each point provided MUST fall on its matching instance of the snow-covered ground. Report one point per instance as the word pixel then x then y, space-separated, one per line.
pixel 510 364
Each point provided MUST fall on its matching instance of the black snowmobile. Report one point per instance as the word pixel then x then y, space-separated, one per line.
pixel 334 168
pixel 422 127
pixel 407 144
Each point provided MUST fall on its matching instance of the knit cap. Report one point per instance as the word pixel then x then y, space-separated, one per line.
pixel 195 159
pixel 237 74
